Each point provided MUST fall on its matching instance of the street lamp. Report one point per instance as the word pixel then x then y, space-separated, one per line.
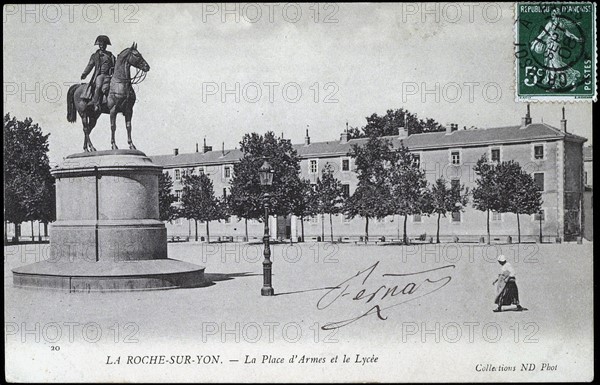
pixel 266 179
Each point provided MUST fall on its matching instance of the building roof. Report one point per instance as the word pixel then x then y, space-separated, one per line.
pixel 416 142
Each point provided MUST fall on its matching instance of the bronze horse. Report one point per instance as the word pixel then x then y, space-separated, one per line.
pixel 121 98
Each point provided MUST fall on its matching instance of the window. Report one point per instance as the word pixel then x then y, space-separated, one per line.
pixel 540 216
pixel 178 195
pixel 345 164
pixel 346 190
pixel 538 178
pixel 456 217
pixel 585 179
pixel 455 184
pixel 496 216
pixel 314 220
pixel 417 159
pixel 313 166
pixel 200 170
pixel 538 151
pixel 455 157
pixel 177 174
pixel 227 172
pixel 495 155
pixel 417 218
pixel 314 186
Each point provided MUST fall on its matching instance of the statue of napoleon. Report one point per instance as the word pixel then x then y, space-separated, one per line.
pixel 110 90
pixel 103 64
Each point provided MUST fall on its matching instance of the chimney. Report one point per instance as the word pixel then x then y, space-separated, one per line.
pixel 223 149
pixel 526 120
pixel 563 121
pixel 307 138
pixel 450 128
pixel 402 132
pixel 175 151
pixel 206 148
pixel 196 146
pixel 344 136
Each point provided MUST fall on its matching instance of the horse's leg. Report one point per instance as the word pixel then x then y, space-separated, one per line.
pixel 91 124
pixel 113 127
pixel 128 115
pixel 86 136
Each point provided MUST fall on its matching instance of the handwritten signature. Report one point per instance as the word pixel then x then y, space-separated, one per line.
pixel 377 298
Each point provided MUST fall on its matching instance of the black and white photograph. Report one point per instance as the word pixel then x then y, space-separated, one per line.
pixel 298 192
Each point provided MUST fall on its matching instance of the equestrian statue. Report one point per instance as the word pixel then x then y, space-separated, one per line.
pixel 110 90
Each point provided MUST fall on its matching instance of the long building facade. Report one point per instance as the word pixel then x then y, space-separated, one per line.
pixel 552 155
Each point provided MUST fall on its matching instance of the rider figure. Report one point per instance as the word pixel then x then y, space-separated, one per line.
pixel 103 62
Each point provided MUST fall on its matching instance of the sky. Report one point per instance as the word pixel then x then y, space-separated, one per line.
pixel 220 71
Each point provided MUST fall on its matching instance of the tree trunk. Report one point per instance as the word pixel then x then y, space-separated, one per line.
pixel 17 233
pixel 291 235
pixel 45 229
pixel 519 228
pixel 323 227
pixel 438 228
pixel 32 234
pixel 540 228
pixel 207 233
pixel 39 231
pixel 196 227
pixel 331 226
pixel 246 223
pixel 488 227
pixel 404 235
pixel 302 225
pixel 366 229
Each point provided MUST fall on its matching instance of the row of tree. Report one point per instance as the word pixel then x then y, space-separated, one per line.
pixel 29 193
pixel 390 182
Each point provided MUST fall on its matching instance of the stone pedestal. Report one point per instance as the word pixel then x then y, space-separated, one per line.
pixel 107 234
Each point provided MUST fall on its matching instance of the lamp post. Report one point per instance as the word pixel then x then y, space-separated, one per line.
pixel 266 179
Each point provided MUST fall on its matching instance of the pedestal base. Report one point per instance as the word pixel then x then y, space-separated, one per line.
pixel 267 291
pixel 107 235
pixel 110 276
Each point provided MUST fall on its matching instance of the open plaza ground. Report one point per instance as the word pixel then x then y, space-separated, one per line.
pixel 406 304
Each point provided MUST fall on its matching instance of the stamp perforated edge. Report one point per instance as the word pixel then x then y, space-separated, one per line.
pixel 554 98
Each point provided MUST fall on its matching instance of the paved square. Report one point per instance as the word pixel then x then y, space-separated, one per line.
pixel 229 320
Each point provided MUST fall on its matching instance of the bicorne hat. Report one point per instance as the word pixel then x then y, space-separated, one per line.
pixel 102 38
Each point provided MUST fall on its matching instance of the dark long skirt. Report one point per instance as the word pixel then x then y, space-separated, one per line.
pixel 509 295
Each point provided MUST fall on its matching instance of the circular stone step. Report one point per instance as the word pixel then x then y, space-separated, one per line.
pixel 105 276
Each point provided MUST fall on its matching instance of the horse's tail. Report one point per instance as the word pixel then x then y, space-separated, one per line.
pixel 71 110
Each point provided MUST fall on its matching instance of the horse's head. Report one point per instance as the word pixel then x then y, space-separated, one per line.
pixel 135 58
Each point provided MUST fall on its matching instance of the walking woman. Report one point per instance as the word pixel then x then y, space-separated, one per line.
pixel 507 292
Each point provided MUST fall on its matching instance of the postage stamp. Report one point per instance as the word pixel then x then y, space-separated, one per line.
pixel 298 192
pixel 555 51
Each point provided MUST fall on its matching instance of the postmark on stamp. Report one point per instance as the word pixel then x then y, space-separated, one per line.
pixel 555 51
